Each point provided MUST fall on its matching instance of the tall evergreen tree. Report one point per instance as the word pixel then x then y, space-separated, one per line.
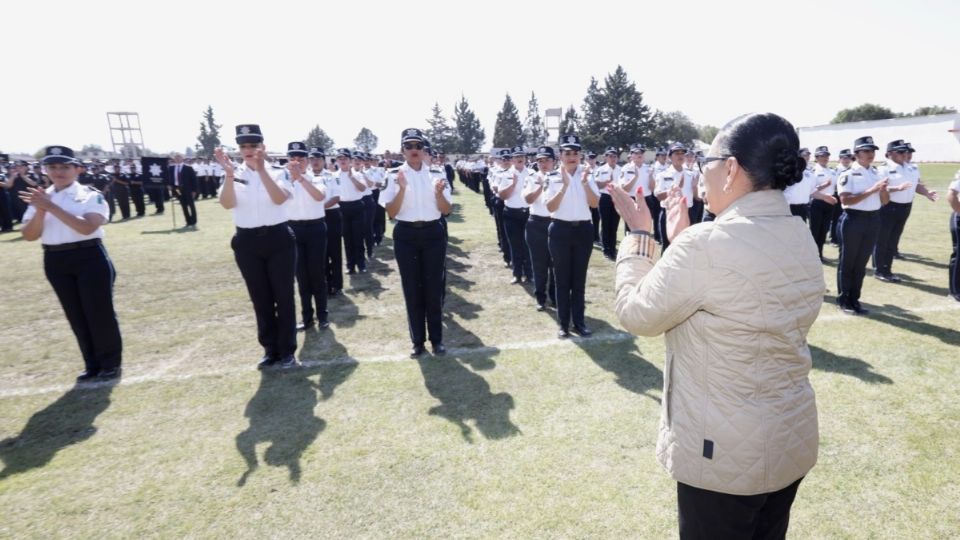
pixel 508 131
pixel 470 135
pixel 365 141
pixel 570 123
pixel 615 114
pixel 442 137
pixel 591 123
pixel 533 129
pixel 209 138
pixel 318 138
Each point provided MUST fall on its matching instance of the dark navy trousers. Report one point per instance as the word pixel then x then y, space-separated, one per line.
pixel 858 236
pixel 543 276
pixel 571 243
pixel 893 218
pixel 420 249
pixel 514 226
pixel 311 267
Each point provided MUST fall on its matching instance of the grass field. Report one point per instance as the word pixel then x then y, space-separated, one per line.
pixel 512 434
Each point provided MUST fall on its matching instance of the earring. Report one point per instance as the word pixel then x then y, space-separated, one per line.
pixel 727 188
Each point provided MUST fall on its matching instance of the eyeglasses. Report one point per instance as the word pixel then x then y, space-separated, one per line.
pixel 413 146
pixel 705 160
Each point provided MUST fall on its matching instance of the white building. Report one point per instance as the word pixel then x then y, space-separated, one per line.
pixel 936 137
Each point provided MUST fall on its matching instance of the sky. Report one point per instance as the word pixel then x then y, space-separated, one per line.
pixel 382 65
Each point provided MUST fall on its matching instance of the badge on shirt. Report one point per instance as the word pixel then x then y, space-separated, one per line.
pixel 843 181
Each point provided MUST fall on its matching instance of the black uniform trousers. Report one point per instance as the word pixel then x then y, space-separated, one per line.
pixel 156 197
pixel 83 280
pixel 334 265
pixel 488 198
pixel 835 221
pixel 653 204
pixel 801 210
pixel 821 212
pixel 609 225
pixel 893 218
pixel 544 282
pixel 379 219
pixel 571 243
pixel 369 215
pixel 311 267
pixel 696 212
pixel 514 225
pixel 188 206
pixel 267 258
pixel 501 232
pixel 705 514
pixel 352 213
pixel 597 219
pixel 954 270
pixel 121 193
pixel 6 212
pixel 858 236
pixel 136 194
pixel 420 249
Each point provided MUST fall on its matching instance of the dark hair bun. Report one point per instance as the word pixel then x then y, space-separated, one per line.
pixel 787 168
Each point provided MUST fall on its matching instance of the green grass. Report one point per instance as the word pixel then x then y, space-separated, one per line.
pixel 514 434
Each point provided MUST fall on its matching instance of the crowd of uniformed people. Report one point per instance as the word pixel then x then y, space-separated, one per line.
pixel 302 223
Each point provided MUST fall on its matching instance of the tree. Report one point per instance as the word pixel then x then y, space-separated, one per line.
pixel 570 123
pixel 508 131
pixel 365 140
pixel 933 109
pixel 91 149
pixel 707 133
pixel 318 138
pixel 209 138
pixel 615 114
pixel 470 135
pixel 533 131
pixel 867 111
pixel 671 127
pixel 442 137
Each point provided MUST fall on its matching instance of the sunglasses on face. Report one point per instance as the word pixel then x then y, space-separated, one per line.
pixel 413 146
pixel 706 160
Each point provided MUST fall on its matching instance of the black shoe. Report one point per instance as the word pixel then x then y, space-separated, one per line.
pixel 899 257
pixel 563 333
pixel 334 292
pixel 541 307
pixel 955 297
pixel 288 361
pixel 859 310
pixel 894 278
pixel 267 362
pixel 322 325
pixel 86 376
pixel 351 272
pixel 109 374
pixel 305 325
pixel 515 280
pixel 507 265
pixel 439 349
pixel 417 351
pixel 582 330
pixel 883 277
pixel 363 270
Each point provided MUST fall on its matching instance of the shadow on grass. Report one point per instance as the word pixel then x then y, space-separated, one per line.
pixel 922 286
pixel 322 350
pixel 926 261
pixel 456 214
pixel 900 318
pixel 179 230
pixel 622 358
pixel 68 420
pixel 824 360
pixel 343 311
pixel 281 414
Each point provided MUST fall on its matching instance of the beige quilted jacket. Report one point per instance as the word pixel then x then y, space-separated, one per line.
pixel 736 298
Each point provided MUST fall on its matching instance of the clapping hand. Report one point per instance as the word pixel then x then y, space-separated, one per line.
pixel 678 218
pixel 224 161
pixel 634 212
pixel 401 180
pixel 439 184
pixel 37 198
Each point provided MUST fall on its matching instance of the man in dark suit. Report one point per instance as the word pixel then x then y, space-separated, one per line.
pixel 183 183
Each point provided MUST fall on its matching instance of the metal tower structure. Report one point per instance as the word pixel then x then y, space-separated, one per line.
pixel 125 133
pixel 552 125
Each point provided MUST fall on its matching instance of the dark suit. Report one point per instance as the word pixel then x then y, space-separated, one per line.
pixel 184 186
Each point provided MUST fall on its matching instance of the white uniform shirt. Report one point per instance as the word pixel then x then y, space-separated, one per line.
pixel 574 206
pixel 419 199
pixel 348 191
pixel 493 178
pixel 630 172
pixel 202 169
pixel 955 185
pixel 254 207
pixel 533 182
pixel 303 207
pixel 332 182
pixel 821 175
pixel 856 180
pixel 377 175
pixel 505 178
pixel 606 173
pixel 659 167
pixel 898 174
pixel 800 192
pixel 75 199
pixel 671 176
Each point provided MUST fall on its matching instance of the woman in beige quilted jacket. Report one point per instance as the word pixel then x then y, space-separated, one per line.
pixel 735 298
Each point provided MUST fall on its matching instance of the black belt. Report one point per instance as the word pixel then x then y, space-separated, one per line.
pixel 854 212
pixel 542 219
pixel 307 221
pixel 345 203
pixel 900 203
pixel 72 245
pixel 260 231
pixel 519 210
pixel 418 224
pixel 573 223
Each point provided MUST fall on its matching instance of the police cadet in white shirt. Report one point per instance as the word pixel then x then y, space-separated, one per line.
pixel 263 246
pixel 653 201
pixel 821 207
pixel 416 197
pixel 538 225
pixel 953 276
pixel 798 195
pixel 308 221
pixel 905 182
pixel 496 203
pixel 846 161
pixel 591 161
pixel 674 175
pixel 334 221
pixel 862 193
pixel 377 174
pixel 516 211
pixel 569 200
pixel 369 205
pixel 609 218
pixel 636 177
pixel 67 218
pixel 352 189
